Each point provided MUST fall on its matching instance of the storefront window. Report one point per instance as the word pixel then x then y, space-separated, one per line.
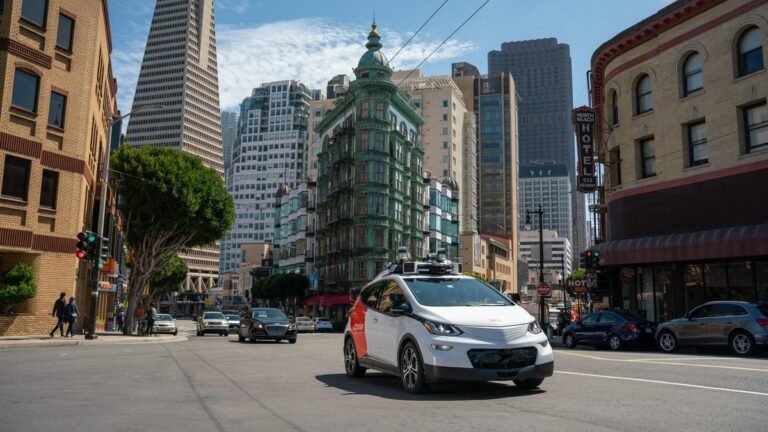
pixel 761 271
pixel 740 284
pixel 664 278
pixel 645 294
pixel 714 282
pixel 694 286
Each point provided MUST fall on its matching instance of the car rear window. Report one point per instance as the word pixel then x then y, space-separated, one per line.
pixel 763 309
pixel 323 319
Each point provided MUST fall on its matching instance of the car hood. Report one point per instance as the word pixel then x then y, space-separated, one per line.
pixel 485 316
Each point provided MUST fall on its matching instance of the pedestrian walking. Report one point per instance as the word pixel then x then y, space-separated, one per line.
pixel 151 315
pixel 58 312
pixel 120 320
pixel 70 316
pixel 563 319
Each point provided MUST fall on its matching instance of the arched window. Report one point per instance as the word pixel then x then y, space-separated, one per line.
pixel 643 95
pixel 750 51
pixel 614 107
pixel 403 129
pixel 693 77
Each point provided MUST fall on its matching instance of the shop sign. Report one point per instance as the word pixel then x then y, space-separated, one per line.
pixel 627 275
pixel 584 121
pixel 578 285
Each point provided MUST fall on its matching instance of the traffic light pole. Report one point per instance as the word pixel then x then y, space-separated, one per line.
pixel 542 304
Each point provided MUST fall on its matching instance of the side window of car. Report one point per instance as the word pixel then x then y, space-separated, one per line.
pixel 391 296
pixel 727 310
pixel 590 319
pixel 370 295
pixel 607 317
pixel 702 312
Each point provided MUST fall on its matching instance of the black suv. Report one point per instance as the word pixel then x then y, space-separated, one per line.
pixel 266 323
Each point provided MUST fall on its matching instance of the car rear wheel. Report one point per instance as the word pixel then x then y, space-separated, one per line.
pixel 240 338
pixel 569 340
pixel 412 369
pixel 614 342
pixel 351 365
pixel 226 333
pixel 175 333
pixel 529 384
pixel 742 343
pixel 668 342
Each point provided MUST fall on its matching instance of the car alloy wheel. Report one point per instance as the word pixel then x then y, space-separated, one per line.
pixel 412 369
pixel 569 341
pixel 741 344
pixel 351 365
pixel 667 342
pixel 614 342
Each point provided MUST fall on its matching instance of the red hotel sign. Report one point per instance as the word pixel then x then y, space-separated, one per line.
pixel 584 121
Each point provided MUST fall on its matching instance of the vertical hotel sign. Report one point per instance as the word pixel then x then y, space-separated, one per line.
pixel 584 121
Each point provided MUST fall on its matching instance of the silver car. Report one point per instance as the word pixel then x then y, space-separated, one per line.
pixel 212 322
pixel 742 326
pixel 165 323
pixel 304 324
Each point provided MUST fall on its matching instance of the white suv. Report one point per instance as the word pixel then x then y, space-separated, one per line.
pixel 425 322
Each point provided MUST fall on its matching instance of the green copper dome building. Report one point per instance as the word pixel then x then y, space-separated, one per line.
pixel 370 185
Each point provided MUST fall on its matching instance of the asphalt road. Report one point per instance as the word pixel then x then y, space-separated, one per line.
pixel 214 383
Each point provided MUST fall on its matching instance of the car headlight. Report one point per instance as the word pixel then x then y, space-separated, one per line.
pixel 291 326
pixel 442 329
pixel 534 327
pixel 259 325
pixel 205 323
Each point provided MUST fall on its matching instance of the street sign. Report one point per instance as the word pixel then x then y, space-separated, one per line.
pixel 591 280
pixel 544 289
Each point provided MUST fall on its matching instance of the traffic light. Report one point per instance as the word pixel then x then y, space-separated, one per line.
pixel 595 258
pixel 104 253
pixel 86 245
pixel 588 259
pixel 582 260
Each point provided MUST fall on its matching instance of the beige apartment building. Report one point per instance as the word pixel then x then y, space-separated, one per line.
pixel 57 95
pixel 681 99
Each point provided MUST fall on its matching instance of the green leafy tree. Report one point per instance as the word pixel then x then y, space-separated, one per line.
pixel 477 276
pixel 168 278
pixel 169 201
pixel 16 286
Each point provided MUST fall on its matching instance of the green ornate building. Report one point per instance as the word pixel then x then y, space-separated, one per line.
pixel 370 185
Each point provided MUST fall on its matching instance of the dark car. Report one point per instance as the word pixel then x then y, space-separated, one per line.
pixel 266 323
pixel 614 329
pixel 741 326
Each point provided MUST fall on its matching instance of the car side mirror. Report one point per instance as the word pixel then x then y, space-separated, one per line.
pixel 400 309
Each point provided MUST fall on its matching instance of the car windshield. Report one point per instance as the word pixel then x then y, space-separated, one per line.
pixel 233 317
pixel 164 317
pixel 455 292
pixel 213 315
pixel 269 314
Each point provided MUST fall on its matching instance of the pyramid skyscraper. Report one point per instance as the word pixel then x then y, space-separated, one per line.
pixel 179 71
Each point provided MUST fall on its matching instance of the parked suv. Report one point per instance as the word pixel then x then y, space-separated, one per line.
pixel 739 325
pixel 212 322
pixel 425 322
pixel 322 324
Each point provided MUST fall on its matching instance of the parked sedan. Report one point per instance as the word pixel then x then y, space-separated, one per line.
pixel 304 324
pixel 323 324
pixel 266 323
pixel 614 329
pixel 165 323
pixel 739 325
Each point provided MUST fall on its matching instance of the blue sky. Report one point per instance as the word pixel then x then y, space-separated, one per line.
pixel 312 40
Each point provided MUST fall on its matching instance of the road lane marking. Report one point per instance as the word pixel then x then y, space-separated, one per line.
pixel 663 383
pixel 665 362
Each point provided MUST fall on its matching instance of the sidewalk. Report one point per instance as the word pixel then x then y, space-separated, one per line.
pixel 106 338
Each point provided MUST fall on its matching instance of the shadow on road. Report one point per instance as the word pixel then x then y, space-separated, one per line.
pixel 691 351
pixel 389 387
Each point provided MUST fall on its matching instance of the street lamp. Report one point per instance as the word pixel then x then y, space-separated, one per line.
pixel 102 214
pixel 540 212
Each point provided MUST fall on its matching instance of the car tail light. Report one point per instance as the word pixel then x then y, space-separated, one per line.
pixel 763 322
pixel 633 328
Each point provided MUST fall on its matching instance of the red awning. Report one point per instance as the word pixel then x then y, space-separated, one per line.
pixel 733 242
pixel 327 300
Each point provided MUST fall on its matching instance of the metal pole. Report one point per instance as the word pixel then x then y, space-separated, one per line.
pixel 541 267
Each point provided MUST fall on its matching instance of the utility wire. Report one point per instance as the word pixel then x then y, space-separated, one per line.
pixel 417 31
pixel 443 42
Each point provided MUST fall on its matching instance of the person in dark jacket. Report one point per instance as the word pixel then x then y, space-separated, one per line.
pixel 70 316
pixel 58 312
pixel 151 315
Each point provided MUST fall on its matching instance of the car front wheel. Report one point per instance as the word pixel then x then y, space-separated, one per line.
pixel 668 342
pixel 351 365
pixel 292 340
pixel 742 344
pixel 412 369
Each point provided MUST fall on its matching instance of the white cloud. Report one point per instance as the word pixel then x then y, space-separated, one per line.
pixel 309 50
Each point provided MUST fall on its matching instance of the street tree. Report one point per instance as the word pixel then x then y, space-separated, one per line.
pixel 167 279
pixel 169 201
pixel 16 286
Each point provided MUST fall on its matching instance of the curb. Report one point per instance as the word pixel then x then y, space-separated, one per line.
pixel 107 340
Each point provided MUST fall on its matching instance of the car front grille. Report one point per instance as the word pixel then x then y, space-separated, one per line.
pixel 500 334
pixel 514 358
pixel 276 330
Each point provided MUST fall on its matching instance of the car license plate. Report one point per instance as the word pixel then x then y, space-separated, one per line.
pixel 648 330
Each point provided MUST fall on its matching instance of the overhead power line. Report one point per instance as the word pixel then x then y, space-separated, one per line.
pixel 417 31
